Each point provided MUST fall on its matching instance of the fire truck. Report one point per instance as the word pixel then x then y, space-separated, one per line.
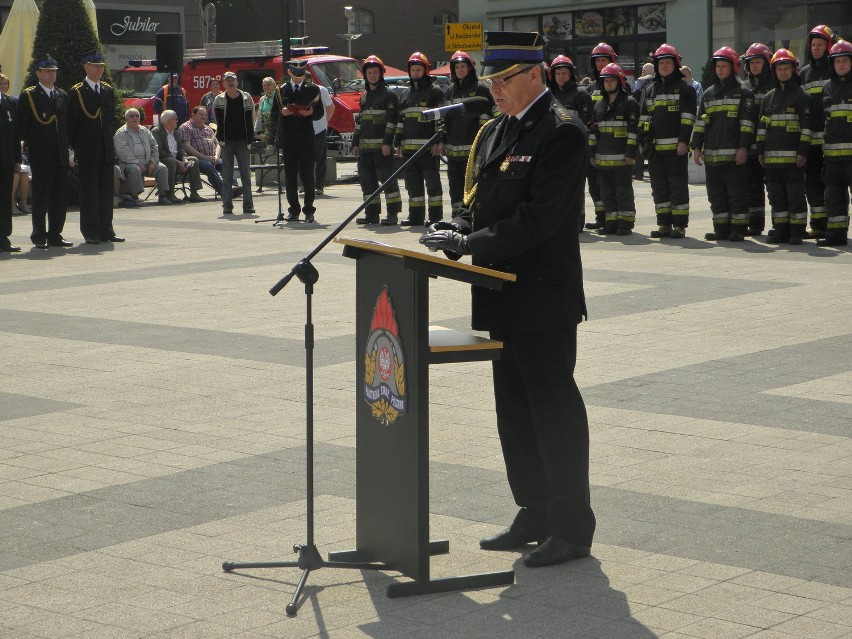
pixel 253 61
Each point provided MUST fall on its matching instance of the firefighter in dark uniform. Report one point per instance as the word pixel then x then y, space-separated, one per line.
pixel 759 81
pixel 783 142
pixel 612 143
pixel 814 76
pixel 373 140
pixel 294 109
pixel 460 130
pixel 91 108
pixel 723 133
pixel 602 55
pixel 10 165
pixel 667 116
pixel 411 134
pixel 42 117
pixel 522 216
pixel 837 145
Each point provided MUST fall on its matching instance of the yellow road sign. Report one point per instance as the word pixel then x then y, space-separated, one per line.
pixel 463 36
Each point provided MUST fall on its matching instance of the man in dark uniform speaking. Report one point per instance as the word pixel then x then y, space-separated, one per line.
pixel 521 214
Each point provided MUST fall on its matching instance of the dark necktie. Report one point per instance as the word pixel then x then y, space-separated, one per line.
pixel 97 89
pixel 296 89
pixel 511 121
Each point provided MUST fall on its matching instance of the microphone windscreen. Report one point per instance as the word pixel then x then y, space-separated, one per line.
pixel 477 105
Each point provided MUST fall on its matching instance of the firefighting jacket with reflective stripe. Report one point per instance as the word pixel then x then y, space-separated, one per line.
pixel 725 121
pixel 814 77
pixel 667 114
pixel 612 139
pixel 759 86
pixel 461 129
pixel 411 133
pixel 377 120
pixel 784 126
pixel 837 104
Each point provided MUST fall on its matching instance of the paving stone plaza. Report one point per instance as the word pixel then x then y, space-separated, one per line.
pixel 152 424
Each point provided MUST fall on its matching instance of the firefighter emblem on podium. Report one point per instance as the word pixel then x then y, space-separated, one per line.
pixel 385 387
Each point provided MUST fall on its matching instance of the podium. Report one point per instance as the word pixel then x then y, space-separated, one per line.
pixel 395 347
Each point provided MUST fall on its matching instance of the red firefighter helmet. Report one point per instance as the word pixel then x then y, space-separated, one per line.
pixel 729 55
pixel 421 59
pixel 563 62
pixel 372 61
pixel 667 51
pixel 757 50
pixel 822 31
pixel 461 56
pixel 603 50
pixel 612 70
pixel 841 48
pixel 786 56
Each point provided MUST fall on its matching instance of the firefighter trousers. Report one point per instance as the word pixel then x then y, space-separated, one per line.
pixel 424 171
pixel 726 190
pixel 375 168
pixel 786 190
pixel 595 192
pixel 616 188
pixel 838 183
pixel 670 188
pixel 756 197
pixel 455 177
pixel 815 189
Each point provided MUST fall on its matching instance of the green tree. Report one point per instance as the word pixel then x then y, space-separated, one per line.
pixel 65 32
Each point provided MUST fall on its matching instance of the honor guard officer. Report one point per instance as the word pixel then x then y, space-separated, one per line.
pixel 837 145
pixel 723 133
pixel 91 105
pixel 602 55
pixel 294 109
pixel 411 134
pixel 612 143
pixel 814 76
pixel 42 116
pixel 759 81
pixel 372 142
pixel 521 214
pixel 666 121
pixel 10 166
pixel 461 129
pixel 783 142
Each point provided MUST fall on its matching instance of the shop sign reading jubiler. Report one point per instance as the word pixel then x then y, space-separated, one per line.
pixel 463 36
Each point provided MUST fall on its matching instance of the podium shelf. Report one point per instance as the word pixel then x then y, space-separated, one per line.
pixel 447 345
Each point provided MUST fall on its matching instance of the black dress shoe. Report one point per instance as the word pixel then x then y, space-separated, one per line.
pixel 310 219
pixel 248 211
pixel 60 243
pixel 40 244
pixel 291 218
pixel 10 248
pixel 555 550
pixel 92 240
pixel 114 238
pixel 514 537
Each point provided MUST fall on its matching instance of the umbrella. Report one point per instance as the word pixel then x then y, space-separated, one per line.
pixel 16 42
pixel 90 9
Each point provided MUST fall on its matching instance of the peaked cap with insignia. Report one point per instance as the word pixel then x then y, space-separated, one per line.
pixel 509 50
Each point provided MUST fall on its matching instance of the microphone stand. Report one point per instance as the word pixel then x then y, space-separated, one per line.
pixel 309 556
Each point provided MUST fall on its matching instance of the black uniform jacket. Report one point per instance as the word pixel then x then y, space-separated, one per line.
pixel 46 136
pixel 10 137
pixel 299 125
pixel 90 121
pixel 525 220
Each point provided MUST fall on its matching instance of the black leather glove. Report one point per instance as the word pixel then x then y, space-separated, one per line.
pixel 442 226
pixel 451 241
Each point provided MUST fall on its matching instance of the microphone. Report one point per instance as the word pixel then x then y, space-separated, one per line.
pixel 469 106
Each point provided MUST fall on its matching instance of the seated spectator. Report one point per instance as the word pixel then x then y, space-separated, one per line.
pixel 199 141
pixel 171 154
pixel 138 157
pixel 172 96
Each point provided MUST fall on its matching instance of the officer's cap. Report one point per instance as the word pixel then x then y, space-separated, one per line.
pixel 297 67
pixel 507 50
pixel 93 57
pixel 47 63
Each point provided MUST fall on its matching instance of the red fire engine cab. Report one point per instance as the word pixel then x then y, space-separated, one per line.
pixel 253 61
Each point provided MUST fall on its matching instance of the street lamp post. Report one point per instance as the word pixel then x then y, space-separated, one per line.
pixel 349 36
